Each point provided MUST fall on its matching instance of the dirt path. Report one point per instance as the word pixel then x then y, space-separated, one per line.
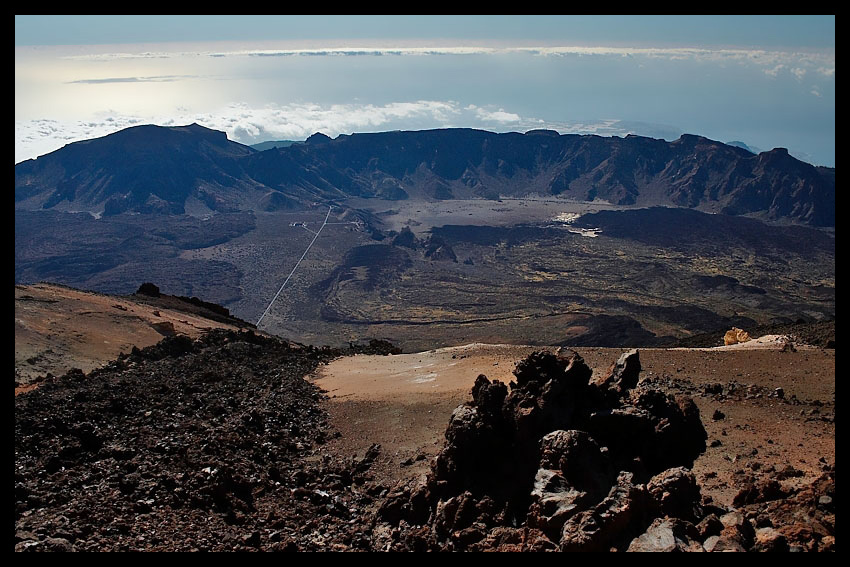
pixel 404 403
pixel 316 235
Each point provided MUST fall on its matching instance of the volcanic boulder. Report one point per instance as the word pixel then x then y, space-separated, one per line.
pixel 148 288
pixel 564 461
pixel 623 374
pixel 667 534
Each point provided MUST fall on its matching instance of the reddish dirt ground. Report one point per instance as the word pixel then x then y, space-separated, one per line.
pixel 404 402
pixel 59 328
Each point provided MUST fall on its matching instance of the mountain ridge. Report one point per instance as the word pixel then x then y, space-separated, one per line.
pixel 152 169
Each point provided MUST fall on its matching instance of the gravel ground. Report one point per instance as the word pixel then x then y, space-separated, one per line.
pixel 212 444
pixel 220 443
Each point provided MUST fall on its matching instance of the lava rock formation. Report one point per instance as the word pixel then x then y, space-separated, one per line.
pixel 557 461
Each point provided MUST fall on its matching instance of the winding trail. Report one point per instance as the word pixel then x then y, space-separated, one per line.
pixel 330 208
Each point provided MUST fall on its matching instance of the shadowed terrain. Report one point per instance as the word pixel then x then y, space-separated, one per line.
pixel 440 237
pixel 180 169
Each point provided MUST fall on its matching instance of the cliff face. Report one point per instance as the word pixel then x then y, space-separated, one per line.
pixel 154 169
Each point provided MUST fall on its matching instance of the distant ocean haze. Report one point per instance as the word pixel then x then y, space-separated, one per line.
pixel 773 100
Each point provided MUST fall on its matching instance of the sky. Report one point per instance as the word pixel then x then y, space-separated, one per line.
pixel 768 81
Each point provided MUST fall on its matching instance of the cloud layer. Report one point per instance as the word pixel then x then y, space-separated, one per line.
pixel 795 62
pixel 152 79
pixel 769 98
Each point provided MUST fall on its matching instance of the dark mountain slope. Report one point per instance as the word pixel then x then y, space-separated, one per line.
pixel 148 169
pixel 143 169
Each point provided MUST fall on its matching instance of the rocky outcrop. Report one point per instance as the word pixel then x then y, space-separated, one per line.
pixel 734 336
pixel 560 460
pixel 622 376
pixel 612 522
pixel 149 289
pixel 574 463
pixel 666 535
pixel 438 250
pixel 784 519
pixel 406 238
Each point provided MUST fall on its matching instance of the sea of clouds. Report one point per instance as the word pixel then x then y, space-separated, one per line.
pixel 250 125
pixel 250 122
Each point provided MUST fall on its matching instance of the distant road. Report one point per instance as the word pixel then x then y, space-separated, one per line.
pixel 296 266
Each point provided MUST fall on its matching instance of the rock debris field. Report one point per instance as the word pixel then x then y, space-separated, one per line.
pixel 212 444
pixel 221 444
